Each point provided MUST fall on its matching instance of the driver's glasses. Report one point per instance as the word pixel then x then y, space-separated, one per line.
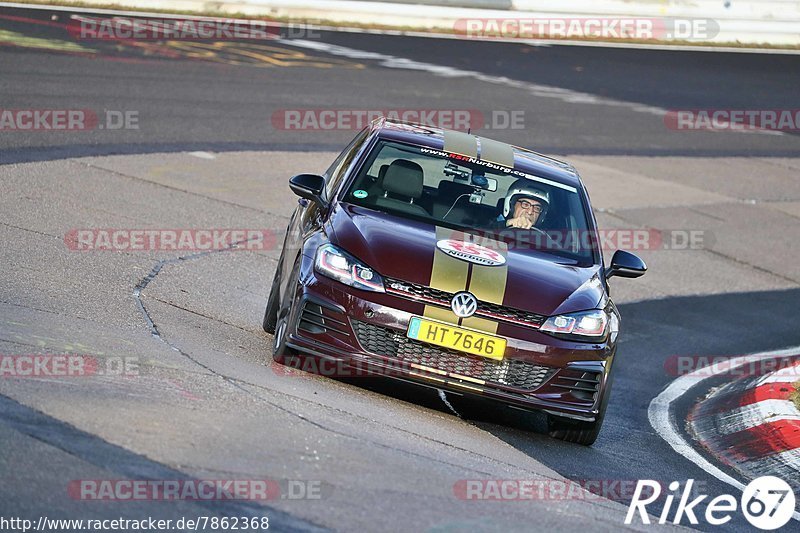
pixel 530 206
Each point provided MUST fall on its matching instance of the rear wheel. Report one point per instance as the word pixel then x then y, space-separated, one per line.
pixel 577 431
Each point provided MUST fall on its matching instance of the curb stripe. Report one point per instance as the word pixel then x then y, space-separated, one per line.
pixel 769 391
pixel 664 421
pixel 782 379
pixel 789 374
pixel 752 425
pixel 755 414
pixel 735 399
pixel 759 442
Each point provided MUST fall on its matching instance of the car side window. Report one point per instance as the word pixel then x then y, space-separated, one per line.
pixel 334 175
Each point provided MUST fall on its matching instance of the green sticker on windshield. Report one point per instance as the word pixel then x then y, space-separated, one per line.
pixel 360 193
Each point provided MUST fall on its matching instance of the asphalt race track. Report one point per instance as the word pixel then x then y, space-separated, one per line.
pixel 206 401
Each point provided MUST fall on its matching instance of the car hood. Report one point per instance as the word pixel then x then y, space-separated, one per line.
pixel 406 249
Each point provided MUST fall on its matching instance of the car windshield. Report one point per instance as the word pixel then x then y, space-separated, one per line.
pixel 464 194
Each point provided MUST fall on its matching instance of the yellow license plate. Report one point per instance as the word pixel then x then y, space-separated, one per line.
pixel 461 339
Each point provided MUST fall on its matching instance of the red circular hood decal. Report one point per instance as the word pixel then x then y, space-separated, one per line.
pixel 474 253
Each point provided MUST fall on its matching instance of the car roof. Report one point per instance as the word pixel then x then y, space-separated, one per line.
pixel 482 148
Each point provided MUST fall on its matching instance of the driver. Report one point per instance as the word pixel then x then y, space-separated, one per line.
pixel 523 207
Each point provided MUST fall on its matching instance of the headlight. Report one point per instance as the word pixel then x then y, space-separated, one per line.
pixel 337 264
pixel 586 325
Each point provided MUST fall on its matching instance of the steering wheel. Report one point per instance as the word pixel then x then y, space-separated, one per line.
pixel 549 242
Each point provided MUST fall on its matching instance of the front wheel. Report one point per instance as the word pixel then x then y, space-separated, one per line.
pixel 280 351
pixel 577 431
pixel 271 312
pixel 283 316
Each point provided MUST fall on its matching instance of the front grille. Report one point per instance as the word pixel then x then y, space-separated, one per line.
pixel 391 343
pixel 443 298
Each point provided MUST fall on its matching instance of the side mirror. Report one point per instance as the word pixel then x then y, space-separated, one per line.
pixel 625 265
pixel 309 186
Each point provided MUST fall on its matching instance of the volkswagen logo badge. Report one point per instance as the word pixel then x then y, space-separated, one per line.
pixel 464 304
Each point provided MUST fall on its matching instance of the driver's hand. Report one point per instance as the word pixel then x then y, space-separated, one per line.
pixel 521 222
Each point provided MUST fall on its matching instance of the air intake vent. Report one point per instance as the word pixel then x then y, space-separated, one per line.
pixel 315 318
pixel 583 385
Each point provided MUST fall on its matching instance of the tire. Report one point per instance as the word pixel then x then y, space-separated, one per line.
pixel 584 433
pixel 271 312
pixel 283 314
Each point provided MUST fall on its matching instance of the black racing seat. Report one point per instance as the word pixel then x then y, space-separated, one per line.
pixel 402 186
pixel 453 205
pixel 375 184
pixel 452 200
pixel 382 174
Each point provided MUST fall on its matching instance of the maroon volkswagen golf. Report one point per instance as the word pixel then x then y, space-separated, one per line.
pixel 457 262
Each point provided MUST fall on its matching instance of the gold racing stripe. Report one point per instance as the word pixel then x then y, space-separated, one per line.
pixel 448 274
pixel 481 324
pixel 457 142
pixel 488 284
pixel 497 152
pixel 443 315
